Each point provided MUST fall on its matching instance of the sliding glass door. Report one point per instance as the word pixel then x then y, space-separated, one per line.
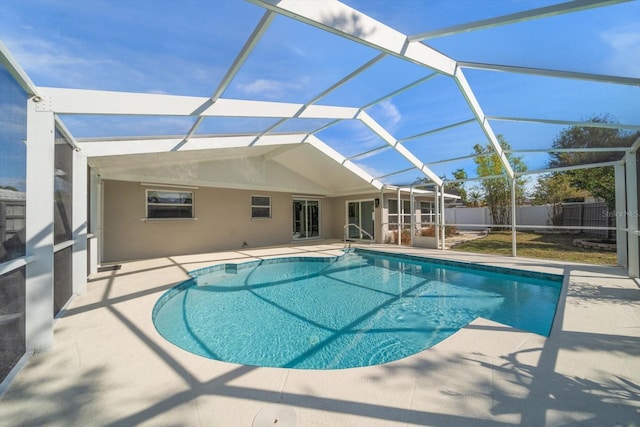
pixel 306 219
pixel 360 217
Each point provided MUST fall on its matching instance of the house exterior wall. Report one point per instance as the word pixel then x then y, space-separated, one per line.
pixel 223 222
pixel 330 210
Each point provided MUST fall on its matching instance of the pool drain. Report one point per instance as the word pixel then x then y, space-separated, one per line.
pixel 275 416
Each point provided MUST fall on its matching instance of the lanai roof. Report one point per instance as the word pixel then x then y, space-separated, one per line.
pixel 323 97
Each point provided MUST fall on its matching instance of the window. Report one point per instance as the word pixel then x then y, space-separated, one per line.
pixel 427 213
pixel 166 204
pixel 260 207
pixel 393 213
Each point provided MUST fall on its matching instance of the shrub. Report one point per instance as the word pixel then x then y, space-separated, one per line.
pixel 430 231
pixel 405 236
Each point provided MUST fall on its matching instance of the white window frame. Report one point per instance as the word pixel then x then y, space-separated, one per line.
pixel 406 215
pixel 253 205
pixel 430 215
pixel 306 201
pixel 167 190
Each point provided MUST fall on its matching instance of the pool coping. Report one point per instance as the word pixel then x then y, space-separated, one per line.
pixel 433 260
pixel 553 280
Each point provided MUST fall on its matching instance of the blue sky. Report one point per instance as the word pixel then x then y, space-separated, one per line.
pixel 185 47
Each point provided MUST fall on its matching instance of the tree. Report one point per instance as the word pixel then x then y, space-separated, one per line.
pixel 475 197
pixel 553 189
pixel 458 187
pixel 497 191
pixel 600 182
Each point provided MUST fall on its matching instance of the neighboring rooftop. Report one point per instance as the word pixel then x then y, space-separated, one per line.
pixel 12 195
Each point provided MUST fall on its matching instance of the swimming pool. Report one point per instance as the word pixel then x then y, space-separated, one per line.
pixel 359 309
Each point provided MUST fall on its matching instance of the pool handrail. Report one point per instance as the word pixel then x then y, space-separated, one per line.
pixel 359 228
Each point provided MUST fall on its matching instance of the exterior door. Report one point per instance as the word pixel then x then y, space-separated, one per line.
pixel 361 213
pixel 306 219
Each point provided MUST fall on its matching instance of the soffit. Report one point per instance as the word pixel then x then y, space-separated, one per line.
pixel 299 168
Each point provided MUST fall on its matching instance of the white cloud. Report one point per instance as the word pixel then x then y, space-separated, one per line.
pixel 370 170
pixel 387 114
pixel 272 89
pixel 391 113
pixel 375 153
pixel 49 63
pixel 67 62
pixel 625 50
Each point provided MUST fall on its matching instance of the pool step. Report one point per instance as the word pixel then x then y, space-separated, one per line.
pixel 352 259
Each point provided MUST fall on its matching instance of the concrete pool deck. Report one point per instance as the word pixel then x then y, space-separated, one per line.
pixel 109 366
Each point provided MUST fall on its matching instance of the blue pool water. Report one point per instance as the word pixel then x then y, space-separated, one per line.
pixel 360 309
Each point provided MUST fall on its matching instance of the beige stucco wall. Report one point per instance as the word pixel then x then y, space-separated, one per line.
pixel 224 222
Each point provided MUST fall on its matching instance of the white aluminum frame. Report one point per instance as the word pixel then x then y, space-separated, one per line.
pixel 372 33
pixel 512 18
pixel 632 212
pixel 39 230
pixel 46 104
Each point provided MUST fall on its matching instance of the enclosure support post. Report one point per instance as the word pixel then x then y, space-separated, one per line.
pixel 381 236
pixel 412 204
pixel 436 230
pixel 79 221
pixel 39 229
pixel 442 229
pixel 633 257
pixel 93 221
pixel 400 218
pixel 514 234
pixel 621 217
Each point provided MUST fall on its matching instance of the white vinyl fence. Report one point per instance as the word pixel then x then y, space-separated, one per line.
pixel 576 215
pixel 478 218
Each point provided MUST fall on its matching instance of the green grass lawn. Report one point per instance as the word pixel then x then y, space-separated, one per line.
pixel 532 245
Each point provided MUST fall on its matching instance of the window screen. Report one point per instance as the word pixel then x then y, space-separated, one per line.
pixel 260 207
pixel 169 204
